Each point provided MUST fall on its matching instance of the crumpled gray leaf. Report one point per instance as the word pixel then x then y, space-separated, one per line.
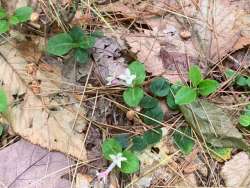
pixel 212 124
pixel 27 165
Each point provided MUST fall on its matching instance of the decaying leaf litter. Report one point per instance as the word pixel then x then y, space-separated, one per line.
pixel 61 105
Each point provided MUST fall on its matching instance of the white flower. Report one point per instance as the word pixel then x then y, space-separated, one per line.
pixel 127 77
pixel 117 159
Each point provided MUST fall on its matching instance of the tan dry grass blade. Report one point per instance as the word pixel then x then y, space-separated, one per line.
pixel 31 116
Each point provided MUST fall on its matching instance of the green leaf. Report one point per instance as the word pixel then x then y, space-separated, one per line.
pixel 4 26
pixel 248 81
pixel 152 136
pixel 13 20
pixel 139 143
pixel 184 143
pixel 229 73
pixel 133 96
pixel 3 101
pixel 155 113
pixel 131 165
pixel 23 14
pixel 3 13
pixel 247 110
pixel 111 147
pixel 76 34
pixel 221 154
pixel 122 139
pixel 170 99
pixel 244 120
pixel 207 87
pixel 185 95
pixel 160 87
pixel 241 81
pixel 60 44
pixel 138 69
pixel 148 102
pixel 195 75
pixel 97 34
pixel 1 129
pixel 87 42
pixel 211 123
pixel 81 56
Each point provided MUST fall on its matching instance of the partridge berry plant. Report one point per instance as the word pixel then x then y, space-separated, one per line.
pixel 200 86
pixel 238 79
pixel 76 40
pixel 125 160
pixel 245 117
pixel 20 15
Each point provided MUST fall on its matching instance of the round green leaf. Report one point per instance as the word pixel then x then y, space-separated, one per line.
pixel 248 81
pixel 133 96
pixel 23 14
pixel 13 20
pixel 160 87
pixel 3 13
pixel 111 147
pixel 81 56
pixel 184 143
pixel 207 87
pixel 247 110
pixel 241 81
pixel 152 136
pixel 245 120
pixel 149 102
pixel 76 34
pixel 155 113
pixel 185 95
pixel 229 73
pixel 122 139
pixel 3 101
pixel 60 44
pixel 131 165
pixel 170 99
pixel 87 42
pixel 137 69
pixel 195 75
pixel 4 26
pixel 139 143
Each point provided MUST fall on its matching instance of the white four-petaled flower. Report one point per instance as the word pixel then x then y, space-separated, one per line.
pixel 127 77
pixel 117 159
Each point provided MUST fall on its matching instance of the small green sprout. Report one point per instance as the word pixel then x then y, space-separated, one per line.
pixel 75 40
pixel 20 15
pixel 125 160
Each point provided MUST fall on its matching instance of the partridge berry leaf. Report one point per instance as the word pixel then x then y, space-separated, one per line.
pixel 170 99
pixel 206 87
pixel 111 147
pixel 160 87
pixel 4 26
pixel 152 136
pixel 81 56
pixel 132 163
pixel 184 143
pixel 149 102
pixel 23 14
pixel 155 113
pixel 221 154
pixel 241 81
pixel 245 120
pixel 195 75
pixel 139 143
pixel 123 139
pixel 185 95
pixel 76 34
pixel 133 96
pixel 138 69
pixel 3 13
pixel 60 44
pixel 3 101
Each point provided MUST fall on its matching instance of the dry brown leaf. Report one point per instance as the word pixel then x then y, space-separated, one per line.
pixel 43 119
pixel 236 171
pixel 216 27
pixel 27 165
